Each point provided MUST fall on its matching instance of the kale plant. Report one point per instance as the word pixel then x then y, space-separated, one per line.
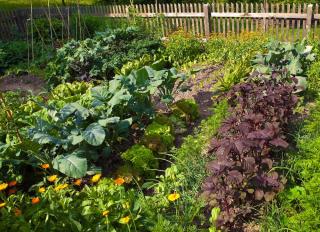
pixel 285 61
pixel 97 58
pixel 92 127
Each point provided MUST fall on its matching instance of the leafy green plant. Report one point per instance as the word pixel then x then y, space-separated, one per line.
pixel 186 109
pixel 298 205
pixel 182 181
pixel 158 137
pixel 141 158
pixel 97 58
pixel 15 147
pixel 145 60
pixel 13 53
pixel 235 53
pixel 313 77
pixel 182 48
pixel 61 206
pixel 285 61
pixel 83 124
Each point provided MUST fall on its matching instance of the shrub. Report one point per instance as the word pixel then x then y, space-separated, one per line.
pixel 13 53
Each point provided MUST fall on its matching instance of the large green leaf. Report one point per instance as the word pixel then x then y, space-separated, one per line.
pixel 72 108
pixel 301 84
pixel 71 165
pixel 295 66
pixel 94 134
pixel 119 96
pixel 112 120
pixel 100 92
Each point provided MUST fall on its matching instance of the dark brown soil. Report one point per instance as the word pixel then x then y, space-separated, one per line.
pixel 23 83
pixel 200 89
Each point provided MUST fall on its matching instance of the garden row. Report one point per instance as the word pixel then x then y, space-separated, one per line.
pixel 98 149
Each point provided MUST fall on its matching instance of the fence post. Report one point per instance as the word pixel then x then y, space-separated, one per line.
pixel 207 19
pixel 309 18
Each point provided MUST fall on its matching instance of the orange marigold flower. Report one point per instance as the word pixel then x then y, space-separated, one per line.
pixel 12 183
pixel 96 178
pixel 3 186
pixel 124 220
pixel 119 181
pixel 41 189
pixel 105 213
pixel 61 186
pixel 3 204
pixel 12 191
pixel 45 166
pixel 77 182
pixel 35 200
pixel 17 212
pixel 52 178
pixel 173 196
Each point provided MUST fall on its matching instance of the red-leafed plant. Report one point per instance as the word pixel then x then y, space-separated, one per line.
pixel 241 176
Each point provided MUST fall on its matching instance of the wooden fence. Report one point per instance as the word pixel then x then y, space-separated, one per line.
pixel 284 21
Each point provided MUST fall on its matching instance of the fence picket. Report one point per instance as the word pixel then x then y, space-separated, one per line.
pixel 238 19
pixel 304 25
pixel 284 21
pixel 232 19
pixel 316 11
pixel 293 22
pixel 242 20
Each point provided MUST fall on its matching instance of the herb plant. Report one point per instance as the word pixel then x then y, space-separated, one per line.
pixel 242 174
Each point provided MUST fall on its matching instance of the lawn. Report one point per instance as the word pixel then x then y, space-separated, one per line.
pixel 12 4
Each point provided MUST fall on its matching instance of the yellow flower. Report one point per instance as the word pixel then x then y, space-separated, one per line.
pixel 3 186
pixel 45 166
pixel 77 182
pixel 124 220
pixel 52 178
pixel 3 204
pixel 105 213
pixel 42 190
pixel 60 187
pixel 96 178
pixel 173 196
pixel 119 181
pixel 126 205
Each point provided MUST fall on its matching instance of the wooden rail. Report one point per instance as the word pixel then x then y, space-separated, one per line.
pixel 284 21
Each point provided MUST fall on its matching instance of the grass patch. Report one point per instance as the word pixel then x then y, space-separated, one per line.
pixel 297 208
pixel 184 177
pixel 12 4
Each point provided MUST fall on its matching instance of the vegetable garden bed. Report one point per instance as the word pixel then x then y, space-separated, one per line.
pixel 137 135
